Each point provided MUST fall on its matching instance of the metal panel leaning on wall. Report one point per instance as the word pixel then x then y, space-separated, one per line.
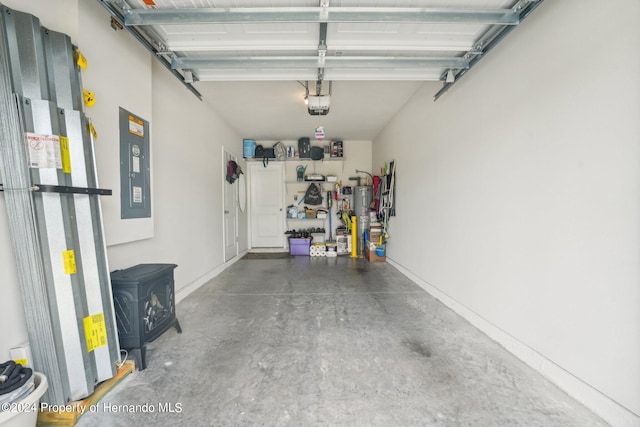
pixel 57 236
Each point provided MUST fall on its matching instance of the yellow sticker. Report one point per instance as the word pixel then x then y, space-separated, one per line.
pixel 136 126
pixel 22 362
pixel 95 331
pixel 93 131
pixel 89 98
pixel 80 59
pixel 65 154
pixel 69 259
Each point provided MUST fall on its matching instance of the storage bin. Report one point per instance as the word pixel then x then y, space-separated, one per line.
pixel 299 245
pixel 26 416
pixel 248 148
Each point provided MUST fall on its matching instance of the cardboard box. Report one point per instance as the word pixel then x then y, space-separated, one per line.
pixel 374 239
pixel 370 252
pixel 336 148
pixel 344 244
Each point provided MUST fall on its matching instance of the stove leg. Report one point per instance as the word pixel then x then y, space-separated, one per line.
pixel 140 357
pixel 176 325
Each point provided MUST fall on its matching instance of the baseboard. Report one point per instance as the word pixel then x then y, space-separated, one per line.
pixel 183 292
pixel 268 250
pixel 609 410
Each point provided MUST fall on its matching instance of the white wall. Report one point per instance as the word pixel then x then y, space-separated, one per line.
pixel 186 163
pixel 58 15
pixel 188 174
pixel 119 73
pixel 518 201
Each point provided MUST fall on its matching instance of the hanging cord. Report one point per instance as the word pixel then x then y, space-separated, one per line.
pixel 124 359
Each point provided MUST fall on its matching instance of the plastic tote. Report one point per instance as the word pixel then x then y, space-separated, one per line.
pixel 248 148
pixel 297 246
pixel 25 415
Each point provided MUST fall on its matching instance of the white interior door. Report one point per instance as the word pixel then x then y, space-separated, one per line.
pixel 230 212
pixel 267 205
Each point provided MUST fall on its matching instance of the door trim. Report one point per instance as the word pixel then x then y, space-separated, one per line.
pixel 226 154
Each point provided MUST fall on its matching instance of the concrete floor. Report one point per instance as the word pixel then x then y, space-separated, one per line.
pixel 331 342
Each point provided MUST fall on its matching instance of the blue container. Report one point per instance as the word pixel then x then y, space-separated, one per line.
pixel 249 148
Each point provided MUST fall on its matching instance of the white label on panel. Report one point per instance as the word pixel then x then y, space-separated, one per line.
pixel 44 151
pixel 136 126
pixel 135 167
pixel 137 194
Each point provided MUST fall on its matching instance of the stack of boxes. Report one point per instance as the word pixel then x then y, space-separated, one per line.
pixel 374 250
pixel 343 242
pixel 336 149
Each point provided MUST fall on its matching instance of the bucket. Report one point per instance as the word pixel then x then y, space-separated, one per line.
pixel 26 416
pixel 380 251
pixel 248 148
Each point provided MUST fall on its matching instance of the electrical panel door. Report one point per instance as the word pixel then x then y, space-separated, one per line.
pixel 135 195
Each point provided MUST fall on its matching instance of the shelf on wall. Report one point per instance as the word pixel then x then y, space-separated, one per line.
pixel 307 219
pixel 325 159
pixel 310 232
pixel 309 182
pixel 296 159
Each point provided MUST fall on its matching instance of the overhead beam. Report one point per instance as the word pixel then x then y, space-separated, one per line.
pixel 133 17
pixel 306 46
pixel 211 75
pixel 285 62
pixel 488 42
pixel 115 13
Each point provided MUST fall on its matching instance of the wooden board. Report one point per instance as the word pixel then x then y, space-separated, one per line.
pixel 70 417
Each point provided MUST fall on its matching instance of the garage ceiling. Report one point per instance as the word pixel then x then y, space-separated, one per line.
pixel 318 42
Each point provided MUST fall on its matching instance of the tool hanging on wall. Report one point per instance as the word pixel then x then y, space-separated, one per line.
pixel 329 205
pixel 387 198
pixel 343 208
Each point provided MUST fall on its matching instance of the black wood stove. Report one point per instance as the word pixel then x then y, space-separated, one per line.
pixel 144 302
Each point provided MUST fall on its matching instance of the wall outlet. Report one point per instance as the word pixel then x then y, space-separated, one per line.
pixel 22 355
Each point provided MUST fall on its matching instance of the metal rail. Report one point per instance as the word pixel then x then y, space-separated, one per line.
pixel 158 53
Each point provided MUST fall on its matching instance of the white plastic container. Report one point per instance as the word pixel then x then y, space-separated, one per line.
pixel 25 415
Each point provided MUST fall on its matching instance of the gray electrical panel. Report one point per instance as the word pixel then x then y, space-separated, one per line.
pixel 135 192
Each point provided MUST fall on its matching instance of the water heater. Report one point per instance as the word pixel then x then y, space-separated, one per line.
pixel 362 197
